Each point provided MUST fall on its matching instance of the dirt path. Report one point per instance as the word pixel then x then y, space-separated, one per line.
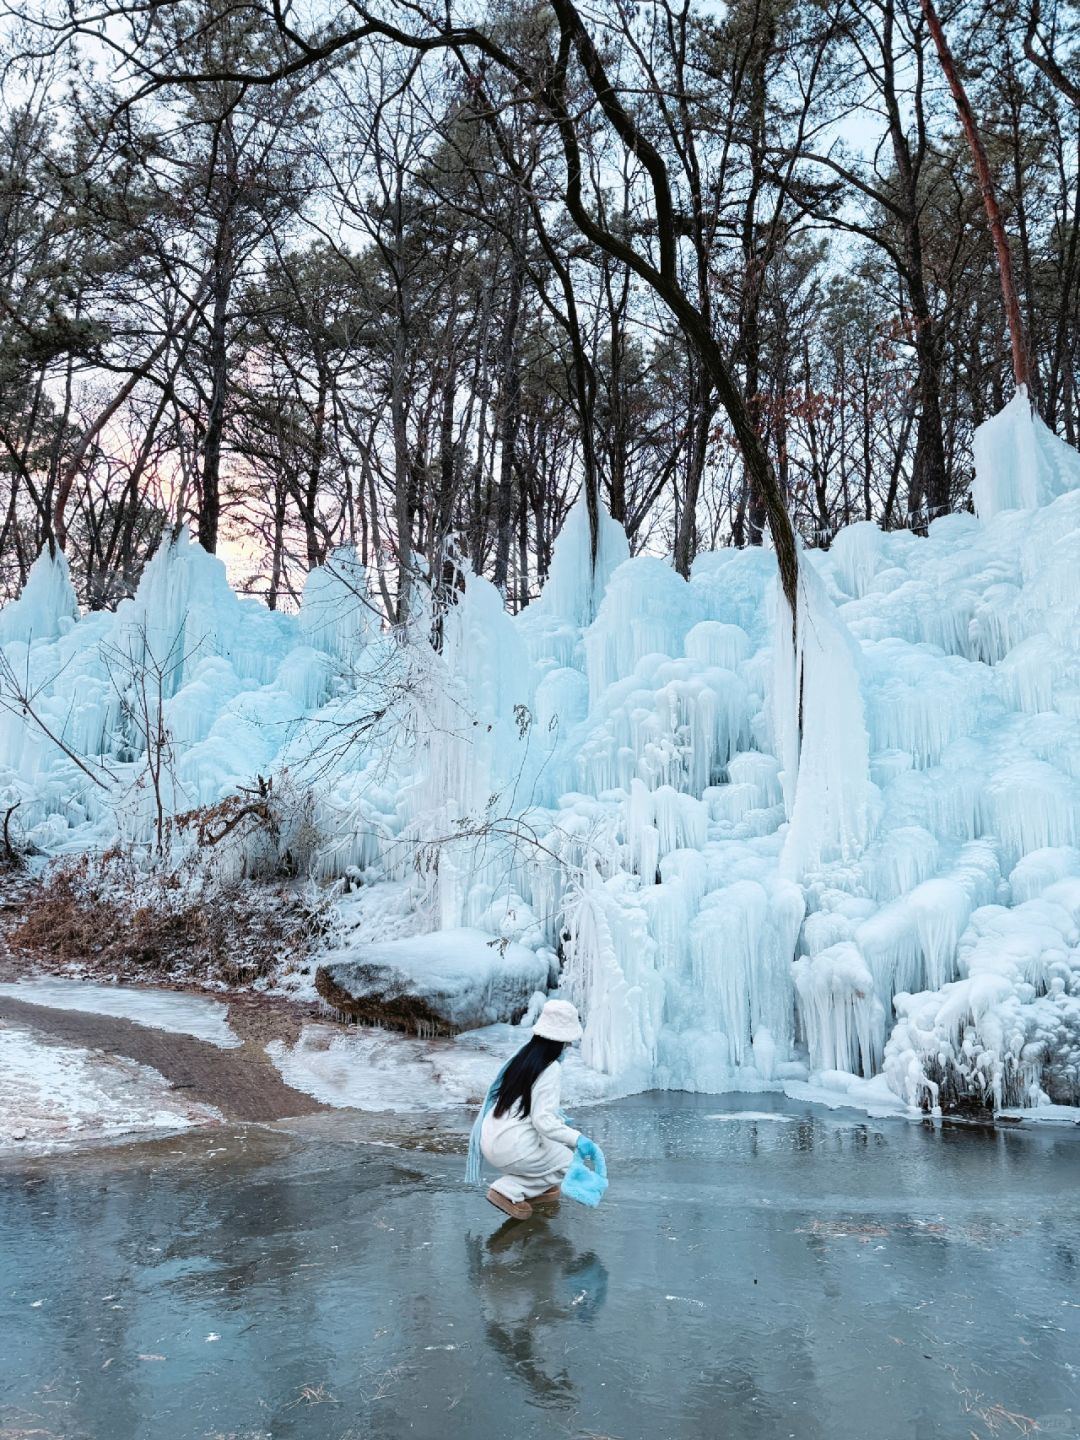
pixel 242 1083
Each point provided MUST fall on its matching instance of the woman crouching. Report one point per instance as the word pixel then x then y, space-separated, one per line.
pixel 520 1129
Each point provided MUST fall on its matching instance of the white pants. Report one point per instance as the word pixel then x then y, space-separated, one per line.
pixel 530 1165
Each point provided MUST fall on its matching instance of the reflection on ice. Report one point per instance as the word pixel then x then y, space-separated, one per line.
pixel 751 1279
pixel 529 1280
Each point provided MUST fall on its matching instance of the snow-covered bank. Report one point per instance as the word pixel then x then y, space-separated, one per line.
pixel 858 852
pixel 170 1010
pixel 364 1068
pixel 1047 1114
pixel 55 1096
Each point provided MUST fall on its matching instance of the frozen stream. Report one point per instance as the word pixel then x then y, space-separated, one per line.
pixel 781 1272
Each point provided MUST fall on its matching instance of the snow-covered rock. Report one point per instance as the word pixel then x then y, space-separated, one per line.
pixel 436 984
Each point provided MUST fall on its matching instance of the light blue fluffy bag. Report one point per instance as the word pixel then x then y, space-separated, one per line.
pixel 584 1185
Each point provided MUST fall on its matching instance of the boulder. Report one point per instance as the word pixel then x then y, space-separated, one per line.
pixel 435 984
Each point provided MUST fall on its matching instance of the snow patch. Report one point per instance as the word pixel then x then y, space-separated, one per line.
pixel 169 1010
pixel 734 1116
pixel 58 1096
pixel 365 1068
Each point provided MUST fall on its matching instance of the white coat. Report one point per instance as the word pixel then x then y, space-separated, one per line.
pixel 533 1151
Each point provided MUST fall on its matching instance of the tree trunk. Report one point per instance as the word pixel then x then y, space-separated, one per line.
pixel 402 477
pixel 277 564
pixel 928 495
pixel 1020 360
pixel 929 472
pixel 210 499
pixel 443 509
pixel 686 536
pixel 510 417
pixel 663 279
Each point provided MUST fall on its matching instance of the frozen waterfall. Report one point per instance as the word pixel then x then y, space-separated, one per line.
pixel 854 853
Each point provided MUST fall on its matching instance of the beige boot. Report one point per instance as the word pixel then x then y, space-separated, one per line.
pixel 517 1210
pixel 548 1196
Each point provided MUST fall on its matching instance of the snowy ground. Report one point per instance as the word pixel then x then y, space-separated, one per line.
pixel 56 1096
pixel 370 1069
pixel 379 1070
pixel 171 1010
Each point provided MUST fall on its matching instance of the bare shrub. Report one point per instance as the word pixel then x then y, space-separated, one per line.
pixel 263 831
pixel 105 915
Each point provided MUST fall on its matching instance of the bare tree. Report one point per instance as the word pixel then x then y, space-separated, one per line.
pixel 1020 358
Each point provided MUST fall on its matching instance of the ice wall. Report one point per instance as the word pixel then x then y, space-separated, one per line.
pixel 756 855
pixel 859 802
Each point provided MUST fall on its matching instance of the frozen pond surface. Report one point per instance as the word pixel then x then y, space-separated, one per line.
pixel 823 1277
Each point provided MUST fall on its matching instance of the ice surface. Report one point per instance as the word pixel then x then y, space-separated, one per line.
pixel 848 848
pixel 169 1010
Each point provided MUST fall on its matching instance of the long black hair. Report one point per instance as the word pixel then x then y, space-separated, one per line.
pixel 523 1072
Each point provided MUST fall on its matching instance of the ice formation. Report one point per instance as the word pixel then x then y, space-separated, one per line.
pixel 1019 462
pixel 851 849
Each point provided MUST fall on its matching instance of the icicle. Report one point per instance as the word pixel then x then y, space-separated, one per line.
pixel 828 796
pixel 47 605
pixel 336 614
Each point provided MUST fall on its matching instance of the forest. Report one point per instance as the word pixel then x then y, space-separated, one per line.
pixel 415 279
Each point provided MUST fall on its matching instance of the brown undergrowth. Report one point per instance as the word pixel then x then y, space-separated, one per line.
pixel 105 915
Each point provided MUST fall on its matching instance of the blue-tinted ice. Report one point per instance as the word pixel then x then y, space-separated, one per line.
pixel 796 1273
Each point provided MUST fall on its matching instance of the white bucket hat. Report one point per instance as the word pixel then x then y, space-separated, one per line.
pixel 558 1021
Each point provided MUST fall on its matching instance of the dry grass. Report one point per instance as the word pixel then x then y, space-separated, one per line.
pixel 106 916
